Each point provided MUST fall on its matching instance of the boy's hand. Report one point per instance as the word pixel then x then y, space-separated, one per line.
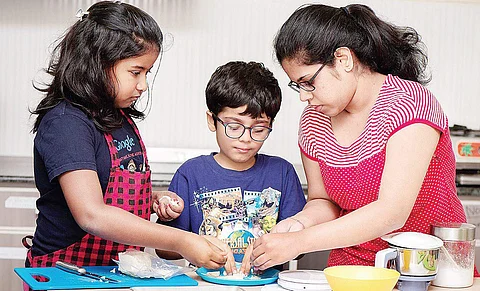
pixel 288 225
pixel 230 266
pixel 247 263
pixel 167 205
pixel 201 252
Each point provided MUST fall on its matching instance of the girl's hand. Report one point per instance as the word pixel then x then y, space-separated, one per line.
pixel 167 205
pixel 230 266
pixel 247 263
pixel 290 224
pixel 202 253
pixel 274 249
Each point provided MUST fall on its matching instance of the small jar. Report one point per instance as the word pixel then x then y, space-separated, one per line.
pixel 456 261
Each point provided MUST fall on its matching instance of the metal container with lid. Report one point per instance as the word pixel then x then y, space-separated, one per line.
pixel 457 256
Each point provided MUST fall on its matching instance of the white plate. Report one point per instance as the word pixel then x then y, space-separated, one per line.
pixel 304 276
pixel 303 286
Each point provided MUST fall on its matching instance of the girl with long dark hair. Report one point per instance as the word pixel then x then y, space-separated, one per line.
pixel 90 163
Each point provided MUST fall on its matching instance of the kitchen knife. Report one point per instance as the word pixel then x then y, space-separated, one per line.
pixel 74 269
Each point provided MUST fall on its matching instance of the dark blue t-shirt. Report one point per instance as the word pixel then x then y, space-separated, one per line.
pixel 236 206
pixel 68 140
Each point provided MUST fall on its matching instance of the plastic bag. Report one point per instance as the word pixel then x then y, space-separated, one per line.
pixel 144 265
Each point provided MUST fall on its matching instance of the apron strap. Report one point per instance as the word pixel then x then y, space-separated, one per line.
pixel 25 243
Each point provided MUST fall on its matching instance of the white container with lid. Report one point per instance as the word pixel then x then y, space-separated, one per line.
pixel 456 262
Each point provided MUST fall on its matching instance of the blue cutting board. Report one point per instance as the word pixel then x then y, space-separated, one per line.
pixel 59 279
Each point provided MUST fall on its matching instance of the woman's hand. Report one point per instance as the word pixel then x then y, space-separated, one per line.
pixel 230 266
pixel 290 224
pixel 167 205
pixel 247 260
pixel 273 249
pixel 202 253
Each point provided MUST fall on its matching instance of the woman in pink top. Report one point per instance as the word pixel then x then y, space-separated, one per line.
pixel 375 143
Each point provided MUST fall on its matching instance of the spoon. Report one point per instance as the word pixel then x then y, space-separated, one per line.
pixel 449 257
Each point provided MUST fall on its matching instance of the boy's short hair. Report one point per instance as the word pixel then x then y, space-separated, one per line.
pixel 238 83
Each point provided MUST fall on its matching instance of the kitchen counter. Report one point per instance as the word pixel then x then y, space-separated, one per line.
pixel 18 171
pixel 202 285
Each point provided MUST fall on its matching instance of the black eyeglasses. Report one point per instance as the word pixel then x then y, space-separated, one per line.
pixel 306 85
pixel 236 130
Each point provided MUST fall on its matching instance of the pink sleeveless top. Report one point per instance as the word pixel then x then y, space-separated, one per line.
pixel 352 174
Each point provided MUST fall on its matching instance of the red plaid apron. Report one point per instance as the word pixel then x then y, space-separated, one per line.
pixel 130 191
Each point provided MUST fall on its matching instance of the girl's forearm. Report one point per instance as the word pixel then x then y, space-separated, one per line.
pixel 118 225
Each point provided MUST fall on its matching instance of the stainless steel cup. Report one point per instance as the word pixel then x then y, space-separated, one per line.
pixel 409 261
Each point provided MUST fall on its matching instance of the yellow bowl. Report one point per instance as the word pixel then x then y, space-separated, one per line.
pixel 361 278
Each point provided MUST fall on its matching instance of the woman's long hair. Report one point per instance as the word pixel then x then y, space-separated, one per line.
pixel 313 33
pixel 85 56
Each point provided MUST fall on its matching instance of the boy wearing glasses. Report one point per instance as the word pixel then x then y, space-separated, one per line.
pixel 237 194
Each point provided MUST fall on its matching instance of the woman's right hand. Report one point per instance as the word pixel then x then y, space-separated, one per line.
pixel 273 249
pixel 203 253
pixel 247 263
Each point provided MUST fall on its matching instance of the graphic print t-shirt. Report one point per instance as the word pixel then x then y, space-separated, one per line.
pixel 236 207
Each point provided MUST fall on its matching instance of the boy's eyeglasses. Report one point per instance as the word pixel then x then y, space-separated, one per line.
pixel 305 85
pixel 236 130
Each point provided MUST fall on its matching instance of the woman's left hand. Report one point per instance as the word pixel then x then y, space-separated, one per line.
pixel 273 249
pixel 290 224
pixel 167 205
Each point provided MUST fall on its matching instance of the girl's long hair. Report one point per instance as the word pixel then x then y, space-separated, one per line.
pixel 313 33
pixel 83 60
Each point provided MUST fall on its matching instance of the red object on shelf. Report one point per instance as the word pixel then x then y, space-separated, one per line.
pixel 468 149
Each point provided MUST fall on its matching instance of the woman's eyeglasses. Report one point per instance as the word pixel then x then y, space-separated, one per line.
pixel 305 85
pixel 236 130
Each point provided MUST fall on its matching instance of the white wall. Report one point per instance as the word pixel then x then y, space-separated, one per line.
pixel 208 33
